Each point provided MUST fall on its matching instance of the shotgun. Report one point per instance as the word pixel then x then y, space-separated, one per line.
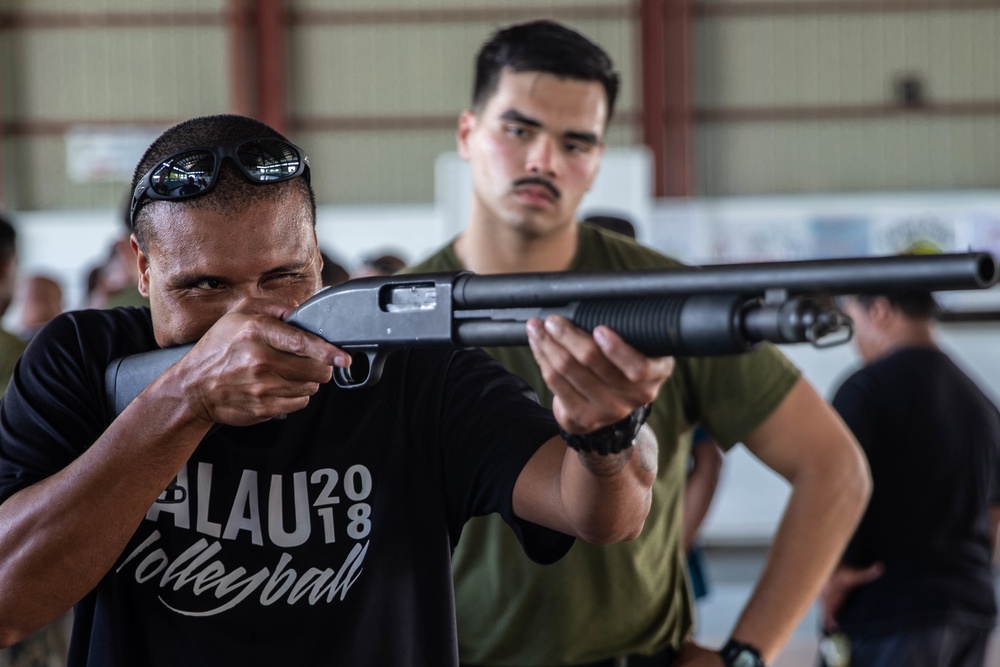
pixel 703 311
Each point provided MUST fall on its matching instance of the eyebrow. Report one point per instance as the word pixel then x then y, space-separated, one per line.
pixel 516 116
pixel 193 277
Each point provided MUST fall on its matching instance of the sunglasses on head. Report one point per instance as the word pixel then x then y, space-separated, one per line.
pixel 194 171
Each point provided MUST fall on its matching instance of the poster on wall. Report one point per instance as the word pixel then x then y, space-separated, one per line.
pixel 768 237
pixel 840 236
pixel 914 231
pixel 769 229
pixel 682 231
pixel 981 231
pixel 106 154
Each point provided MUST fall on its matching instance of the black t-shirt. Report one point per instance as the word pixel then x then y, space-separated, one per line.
pixel 320 539
pixel 933 443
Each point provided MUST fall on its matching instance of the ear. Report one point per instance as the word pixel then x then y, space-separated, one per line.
pixel 142 262
pixel 881 312
pixel 466 124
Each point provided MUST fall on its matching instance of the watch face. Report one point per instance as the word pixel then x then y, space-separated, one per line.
pixel 746 658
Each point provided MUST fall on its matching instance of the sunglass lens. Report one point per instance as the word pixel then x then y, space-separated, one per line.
pixel 269 159
pixel 185 175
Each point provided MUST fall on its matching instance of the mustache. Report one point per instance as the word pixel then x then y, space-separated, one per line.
pixel 536 180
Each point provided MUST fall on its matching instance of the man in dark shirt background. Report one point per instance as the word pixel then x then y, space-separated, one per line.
pixel 915 584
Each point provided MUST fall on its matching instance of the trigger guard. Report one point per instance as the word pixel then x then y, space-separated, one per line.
pixel 343 377
pixel 373 359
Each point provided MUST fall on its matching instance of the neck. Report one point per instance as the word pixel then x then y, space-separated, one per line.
pixel 908 335
pixel 502 248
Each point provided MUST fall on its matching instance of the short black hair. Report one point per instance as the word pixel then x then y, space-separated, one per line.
pixel 8 241
pixel 233 192
pixel 542 46
pixel 916 304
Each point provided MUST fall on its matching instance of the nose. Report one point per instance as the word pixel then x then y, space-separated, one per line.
pixel 255 299
pixel 542 157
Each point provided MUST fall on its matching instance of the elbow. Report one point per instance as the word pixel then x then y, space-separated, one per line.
pixel 12 627
pixel 15 624
pixel 614 536
pixel 862 476
pixel 629 535
pixel 619 529
pixel 11 634
pixel 854 483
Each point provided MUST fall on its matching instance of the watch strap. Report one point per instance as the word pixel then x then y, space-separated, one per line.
pixel 610 439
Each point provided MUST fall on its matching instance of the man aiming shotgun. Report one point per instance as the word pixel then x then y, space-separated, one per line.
pixel 325 535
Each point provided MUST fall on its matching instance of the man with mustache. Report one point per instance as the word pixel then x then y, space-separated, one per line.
pixel 534 137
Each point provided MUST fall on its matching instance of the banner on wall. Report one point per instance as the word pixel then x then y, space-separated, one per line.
pixel 106 154
pixel 790 228
pixel 765 229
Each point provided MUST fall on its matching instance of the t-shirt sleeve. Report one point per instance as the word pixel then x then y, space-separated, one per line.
pixel 734 394
pixel 853 402
pixel 491 426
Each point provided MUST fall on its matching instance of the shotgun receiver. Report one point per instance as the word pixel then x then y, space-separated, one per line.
pixel 711 310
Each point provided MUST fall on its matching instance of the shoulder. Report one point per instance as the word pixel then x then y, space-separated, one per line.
pixel 128 322
pixel 443 259
pixel 97 334
pixel 600 249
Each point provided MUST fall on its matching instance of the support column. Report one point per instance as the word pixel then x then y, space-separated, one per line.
pixel 272 22
pixel 667 117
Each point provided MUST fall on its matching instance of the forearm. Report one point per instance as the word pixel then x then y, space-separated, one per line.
pixel 699 490
pixel 607 498
pixel 601 499
pixel 63 534
pixel 827 501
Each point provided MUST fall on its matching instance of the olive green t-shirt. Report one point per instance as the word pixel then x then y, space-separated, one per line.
pixel 11 348
pixel 628 598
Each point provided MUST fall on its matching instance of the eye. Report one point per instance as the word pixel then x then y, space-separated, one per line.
pixel 517 131
pixel 280 280
pixel 209 284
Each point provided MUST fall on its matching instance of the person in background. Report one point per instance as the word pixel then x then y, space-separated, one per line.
pixel 914 588
pixel 47 646
pixel 542 98
pixel 613 223
pixel 333 272
pixel 11 346
pixel 384 264
pixel 115 282
pixel 702 480
pixel 40 299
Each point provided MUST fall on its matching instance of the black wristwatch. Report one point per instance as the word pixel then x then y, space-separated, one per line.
pixel 738 654
pixel 612 438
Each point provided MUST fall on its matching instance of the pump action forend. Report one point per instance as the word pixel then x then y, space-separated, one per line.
pixel 711 310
